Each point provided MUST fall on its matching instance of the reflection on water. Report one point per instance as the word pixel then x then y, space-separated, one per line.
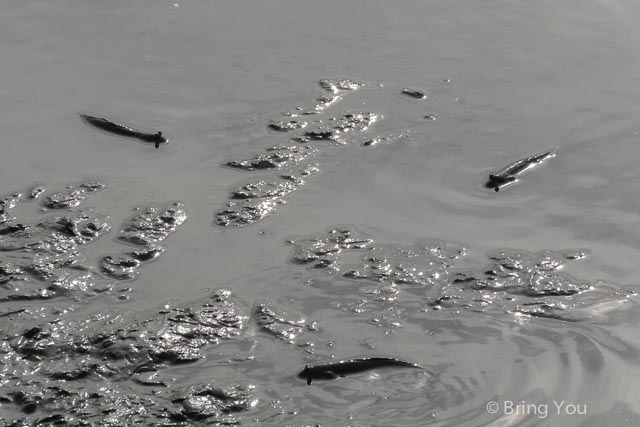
pixel 520 307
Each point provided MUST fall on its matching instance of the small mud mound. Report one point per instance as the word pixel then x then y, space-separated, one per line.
pixel 278 322
pixel 145 229
pixel 275 158
pixel 258 199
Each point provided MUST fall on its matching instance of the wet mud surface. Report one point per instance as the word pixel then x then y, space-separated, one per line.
pixel 512 283
pixel 123 368
pixel 307 130
pixel 47 257
pixel 310 134
pixel 120 306
pixel 108 371
pixel 229 359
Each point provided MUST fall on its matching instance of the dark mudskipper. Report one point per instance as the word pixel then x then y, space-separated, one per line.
pixel 510 174
pixel 331 371
pixel 111 127
pixel 416 94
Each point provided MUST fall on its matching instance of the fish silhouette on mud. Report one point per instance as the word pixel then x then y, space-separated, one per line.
pixel 121 130
pixel 511 173
pixel 332 371
pixel 415 94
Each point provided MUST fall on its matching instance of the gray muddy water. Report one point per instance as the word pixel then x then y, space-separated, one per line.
pixel 450 185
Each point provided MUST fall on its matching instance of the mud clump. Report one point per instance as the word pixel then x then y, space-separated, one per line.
pixel 286 126
pixel 186 330
pixel 208 401
pixel 67 199
pixel 340 84
pixel 121 267
pixel 258 199
pixel 153 225
pixel 278 322
pixel 7 203
pixel 529 284
pixel 324 251
pixel 37 190
pixel 516 282
pixel 45 258
pixel 275 158
pixel 86 369
pixel 339 126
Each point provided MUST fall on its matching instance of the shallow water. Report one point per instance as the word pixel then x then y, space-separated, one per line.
pixel 367 232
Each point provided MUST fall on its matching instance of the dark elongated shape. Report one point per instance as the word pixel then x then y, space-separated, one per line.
pixel 331 371
pixel 111 127
pixel 510 174
pixel 414 93
pixel 12 229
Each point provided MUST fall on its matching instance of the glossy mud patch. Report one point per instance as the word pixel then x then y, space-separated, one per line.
pixel 46 258
pixel 123 368
pixel 145 229
pixel 278 322
pixel 519 309
pixel 68 371
pixel 258 199
pixel 515 282
pixel 275 158
pixel 255 200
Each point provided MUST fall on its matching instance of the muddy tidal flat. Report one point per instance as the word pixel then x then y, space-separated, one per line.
pixel 276 213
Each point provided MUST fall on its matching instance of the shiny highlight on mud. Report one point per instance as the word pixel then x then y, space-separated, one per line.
pixel 517 282
pixel 255 200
